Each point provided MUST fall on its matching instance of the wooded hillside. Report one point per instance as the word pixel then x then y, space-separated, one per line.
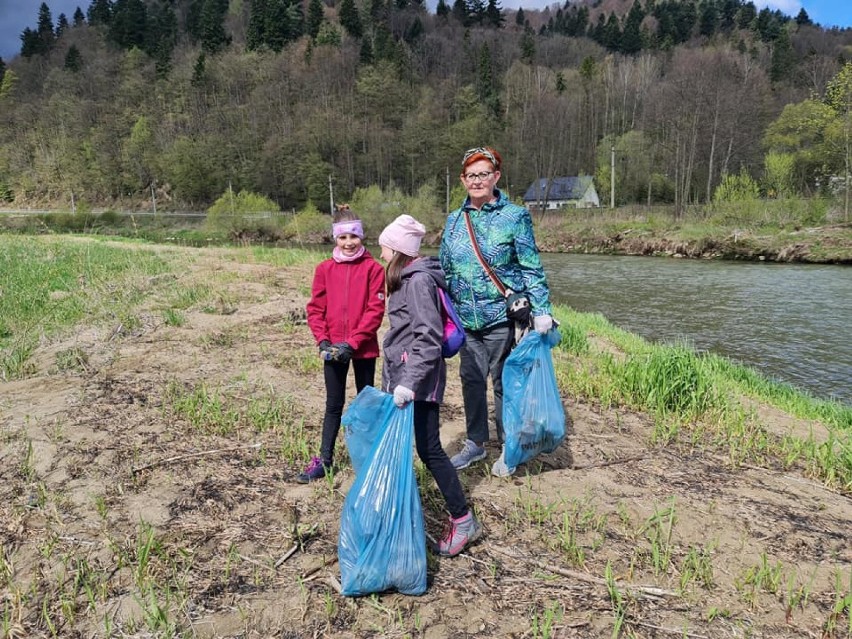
pixel 187 97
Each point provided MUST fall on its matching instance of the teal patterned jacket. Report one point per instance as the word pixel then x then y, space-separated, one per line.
pixel 505 235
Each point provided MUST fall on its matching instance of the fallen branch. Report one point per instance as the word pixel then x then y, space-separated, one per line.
pixel 287 555
pixel 169 460
pixel 307 575
pixel 652 591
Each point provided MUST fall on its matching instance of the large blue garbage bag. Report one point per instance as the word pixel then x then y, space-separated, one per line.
pixel 382 541
pixel 533 417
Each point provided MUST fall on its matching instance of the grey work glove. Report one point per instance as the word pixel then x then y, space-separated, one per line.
pixel 344 352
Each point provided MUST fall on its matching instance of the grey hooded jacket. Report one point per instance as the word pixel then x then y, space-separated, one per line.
pixel 412 345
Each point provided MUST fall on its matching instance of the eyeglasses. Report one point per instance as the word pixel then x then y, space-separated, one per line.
pixel 477 177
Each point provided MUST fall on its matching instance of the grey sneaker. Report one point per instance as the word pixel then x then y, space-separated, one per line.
pixel 459 534
pixel 500 469
pixel 468 455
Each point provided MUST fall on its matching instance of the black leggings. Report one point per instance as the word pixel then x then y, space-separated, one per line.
pixel 426 436
pixel 335 398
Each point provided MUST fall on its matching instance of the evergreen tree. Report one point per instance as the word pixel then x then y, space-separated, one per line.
pixel 365 55
pixel 476 11
pixel 73 59
pixel 199 70
pixel 79 17
pixel 211 24
pixel 315 18
pixel 442 10
pixel 528 46
pixel 767 25
pixel 128 27
pixel 598 31
pixel 460 12
pixel 2 69
pixel 350 19
pixel 783 59
pixel 414 30
pixel 576 21
pixel 561 86
pixel 519 17
pixel 256 30
pixel 746 15
pixel 708 21
pixel 612 33
pixel 803 18
pixel 61 25
pixel 45 29
pixel 494 14
pixel 295 20
pixel 485 89
pixel 728 15
pixel 161 35
pixel 30 43
pixel 631 39
pixel 100 12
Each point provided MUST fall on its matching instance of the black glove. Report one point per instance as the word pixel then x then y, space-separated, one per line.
pixel 325 345
pixel 344 352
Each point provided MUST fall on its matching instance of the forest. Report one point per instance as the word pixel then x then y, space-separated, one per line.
pixel 127 101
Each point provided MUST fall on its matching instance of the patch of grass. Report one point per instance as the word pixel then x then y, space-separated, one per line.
pixel 51 284
pixel 173 317
pixel 762 577
pixel 72 359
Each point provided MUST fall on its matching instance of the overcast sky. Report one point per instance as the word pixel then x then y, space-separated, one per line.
pixel 16 15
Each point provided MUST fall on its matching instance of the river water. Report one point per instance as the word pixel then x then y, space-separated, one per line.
pixel 791 322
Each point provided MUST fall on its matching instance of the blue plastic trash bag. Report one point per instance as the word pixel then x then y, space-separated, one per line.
pixel 382 541
pixel 533 417
pixel 364 421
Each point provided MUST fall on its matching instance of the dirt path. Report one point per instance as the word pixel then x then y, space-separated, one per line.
pixel 207 526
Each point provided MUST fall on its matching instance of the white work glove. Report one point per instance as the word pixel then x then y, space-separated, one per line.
pixel 542 323
pixel 402 395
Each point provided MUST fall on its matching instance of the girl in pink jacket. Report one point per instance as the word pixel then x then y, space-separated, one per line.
pixel 344 313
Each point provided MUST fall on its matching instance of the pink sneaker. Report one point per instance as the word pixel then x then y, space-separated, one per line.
pixel 459 534
pixel 315 470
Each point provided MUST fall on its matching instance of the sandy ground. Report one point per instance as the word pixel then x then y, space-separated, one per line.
pixel 110 455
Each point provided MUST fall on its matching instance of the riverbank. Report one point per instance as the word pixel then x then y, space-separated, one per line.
pixel 793 235
pixel 164 398
pixel 827 244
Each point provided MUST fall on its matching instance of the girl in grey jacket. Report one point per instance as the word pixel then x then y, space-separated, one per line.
pixel 414 369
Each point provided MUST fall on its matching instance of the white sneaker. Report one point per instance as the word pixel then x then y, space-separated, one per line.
pixel 500 469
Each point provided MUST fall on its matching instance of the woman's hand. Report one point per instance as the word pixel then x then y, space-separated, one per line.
pixel 542 323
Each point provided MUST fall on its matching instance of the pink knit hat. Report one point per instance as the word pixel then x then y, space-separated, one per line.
pixel 403 235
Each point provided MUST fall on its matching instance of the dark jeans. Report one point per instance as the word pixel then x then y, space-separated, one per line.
pixel 335 398
pixel 429 449
pixel 483 355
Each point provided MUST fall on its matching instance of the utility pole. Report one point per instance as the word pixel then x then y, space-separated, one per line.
pixel 612 177
pixel 330 196
pixel 153 198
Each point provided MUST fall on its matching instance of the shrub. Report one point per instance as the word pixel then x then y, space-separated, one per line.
pixel 243 214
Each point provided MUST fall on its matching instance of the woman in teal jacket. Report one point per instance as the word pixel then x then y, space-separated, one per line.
pixel 504 234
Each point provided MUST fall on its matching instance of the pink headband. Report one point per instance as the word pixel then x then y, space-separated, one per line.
pixel 352 226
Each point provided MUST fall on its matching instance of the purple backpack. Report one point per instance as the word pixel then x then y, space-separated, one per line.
pixel 454 336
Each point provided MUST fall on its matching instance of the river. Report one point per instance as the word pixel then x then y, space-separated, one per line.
pixel 791 322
